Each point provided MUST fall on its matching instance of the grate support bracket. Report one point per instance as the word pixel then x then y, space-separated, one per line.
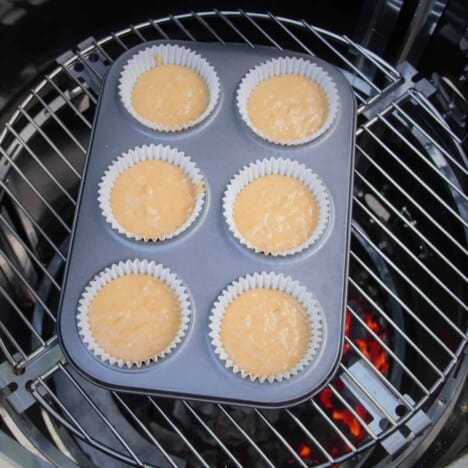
pixel 15 386
pixel 382 404
pixel 90 69
pixel 408 73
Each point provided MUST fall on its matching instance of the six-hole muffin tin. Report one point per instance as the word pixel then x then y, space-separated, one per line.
pixel 207 257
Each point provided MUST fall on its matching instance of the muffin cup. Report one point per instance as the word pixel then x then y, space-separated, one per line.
pixel 155 55
pixel 278 166
pixel 143 267
pixel 144 153
pixel 268 281
pixel 288 66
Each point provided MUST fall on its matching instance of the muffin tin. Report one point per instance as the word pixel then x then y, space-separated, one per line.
pixel 207 257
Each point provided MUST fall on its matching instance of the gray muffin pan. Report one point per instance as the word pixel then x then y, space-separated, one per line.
pixel 207 257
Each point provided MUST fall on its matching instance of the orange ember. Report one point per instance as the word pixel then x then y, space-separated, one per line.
pixel 351 422
pixel 347 324
pixel 304 450
pixel 378 356
pixel 326 398
pixel 370 347
pixel 347 330
pixel 344 415
pixel 371 323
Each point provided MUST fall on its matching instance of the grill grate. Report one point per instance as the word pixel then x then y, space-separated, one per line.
pixel 409 225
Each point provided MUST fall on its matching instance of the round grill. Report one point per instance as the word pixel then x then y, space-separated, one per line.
pixel 406 318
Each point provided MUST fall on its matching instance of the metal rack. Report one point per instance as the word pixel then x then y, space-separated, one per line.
pixel 398 130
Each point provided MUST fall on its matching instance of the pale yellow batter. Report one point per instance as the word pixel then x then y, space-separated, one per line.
pixel 152 198
pixel 265 332
pixel 170 95
pixel 287 107
pixel 276 213
pixel 134 317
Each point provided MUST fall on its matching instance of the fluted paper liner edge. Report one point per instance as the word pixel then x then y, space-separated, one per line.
pixel 150 58
pixel 280 283
pixel 284 66
pixel 118 270
pixel 144 153
pixel 286 167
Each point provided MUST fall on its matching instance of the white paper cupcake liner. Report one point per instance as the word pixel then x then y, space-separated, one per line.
pixel 115 271
pixel 286 167
pixel 288 66
pixel 268 281
pixel 134 156
pixel 145 60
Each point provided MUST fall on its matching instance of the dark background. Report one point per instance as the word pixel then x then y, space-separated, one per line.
pixel 34 32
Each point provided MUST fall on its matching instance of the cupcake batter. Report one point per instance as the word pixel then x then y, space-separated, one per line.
pixel 265 332
pixel 134 317
pixel 152 198
pixel 287 108
pixel 170 95
pixel 276 213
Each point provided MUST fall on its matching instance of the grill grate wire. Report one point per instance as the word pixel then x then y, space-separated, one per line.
pixel 379 145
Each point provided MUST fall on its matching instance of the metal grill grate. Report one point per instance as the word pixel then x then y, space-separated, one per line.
pixel 409 247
